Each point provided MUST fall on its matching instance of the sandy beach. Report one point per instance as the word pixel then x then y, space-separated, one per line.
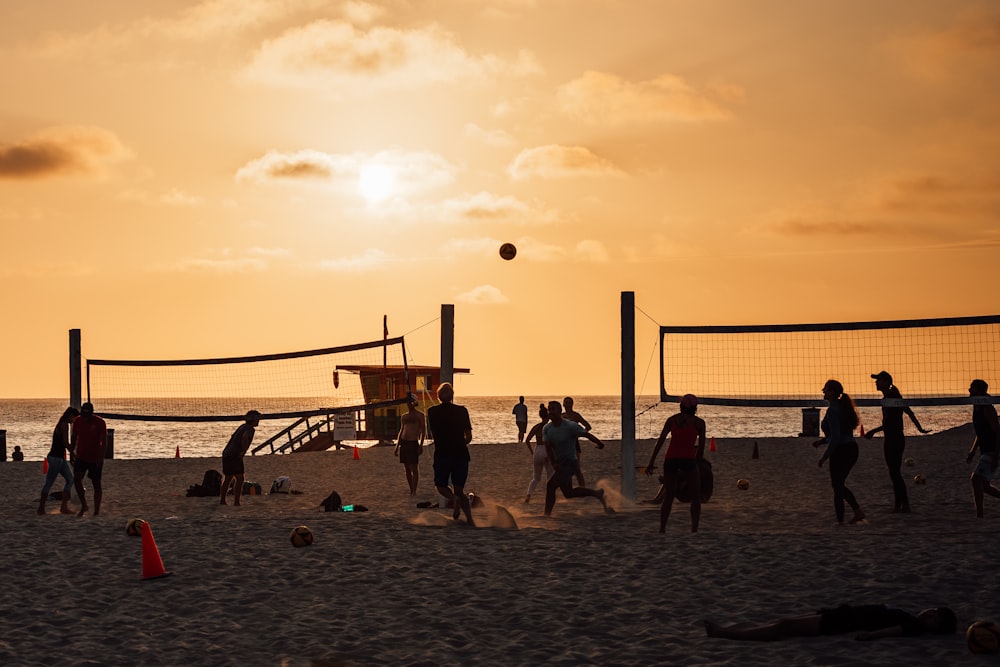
pixel 402 585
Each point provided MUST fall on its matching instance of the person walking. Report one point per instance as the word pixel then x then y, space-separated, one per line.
pixel 58 465
pixel 894 442
pixel 539 457
pixel 520 413
pixel 987 428
pixel 560 437
pixel 88 445
pixel 410 443
pixel 685 451
pixel 232 457
pixel 838 426
pixel 451 430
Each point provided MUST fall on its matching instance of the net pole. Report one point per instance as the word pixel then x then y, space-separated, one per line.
pixel 628 395
pixel 75 377
pixel 448 343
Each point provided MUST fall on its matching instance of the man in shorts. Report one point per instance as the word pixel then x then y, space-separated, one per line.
pixel 451 430
pixel 410 443
pixel 87 448
pixel 232 457
pixel 560 436
pixel 520 413
pixel 987 428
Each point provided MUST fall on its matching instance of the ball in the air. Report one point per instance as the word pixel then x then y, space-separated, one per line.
pixel 983 637
pixel 301 536
pixel 742 484
pixel 910 462
pixel 134 527
pixel 919 479
pixel 508 251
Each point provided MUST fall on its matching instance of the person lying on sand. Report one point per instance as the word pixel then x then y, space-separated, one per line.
pixel 872 621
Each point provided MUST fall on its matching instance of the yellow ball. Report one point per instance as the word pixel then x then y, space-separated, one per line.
pixel 919 479
pixel 983 637
pixel 301 536
pixel 134 527
pixel 742 484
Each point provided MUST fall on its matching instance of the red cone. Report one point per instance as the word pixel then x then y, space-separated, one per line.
pixel 152 564
pixel 177 452
pixel 862 430
pixel 45 466
pixel 356 457
pixel 711 446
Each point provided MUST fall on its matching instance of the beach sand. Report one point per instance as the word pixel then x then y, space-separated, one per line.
pixel 407 586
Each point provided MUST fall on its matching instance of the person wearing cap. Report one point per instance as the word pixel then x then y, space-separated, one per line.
pixel 232 457
pixel 87 448
pixel 894 442
pixel 410 442
pixel 686 449
pixel 987 428
pixel 838 426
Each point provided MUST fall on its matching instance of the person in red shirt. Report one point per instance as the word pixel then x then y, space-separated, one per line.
pixel 87 447
pixel 686 448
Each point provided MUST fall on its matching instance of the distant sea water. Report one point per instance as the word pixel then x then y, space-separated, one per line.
pixel 29 423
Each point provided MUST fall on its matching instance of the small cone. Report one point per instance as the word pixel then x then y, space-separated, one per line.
pixel 45 466
pixel 177 452
pixel 711 446
pixel 356 456
pixel 862 430
pixel 756 452
pixel 152 564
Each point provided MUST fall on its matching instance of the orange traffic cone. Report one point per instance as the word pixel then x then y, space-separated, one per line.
pixel 152 564
pixel 45 466
pixel 862 430
pixel 711 446
pixel 356 456
pixel 177 452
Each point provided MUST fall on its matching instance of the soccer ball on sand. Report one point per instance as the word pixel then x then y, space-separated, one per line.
pixel 301 536
pixel 742 484
pixel 983 637
pixel 134 527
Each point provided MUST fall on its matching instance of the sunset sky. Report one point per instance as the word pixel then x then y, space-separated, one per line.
pixel 233 177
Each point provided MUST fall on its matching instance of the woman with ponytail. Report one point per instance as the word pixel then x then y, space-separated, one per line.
pixel 838 425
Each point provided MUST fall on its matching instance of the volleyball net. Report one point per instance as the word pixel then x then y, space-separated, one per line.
pixel 285 385
pixel 932 361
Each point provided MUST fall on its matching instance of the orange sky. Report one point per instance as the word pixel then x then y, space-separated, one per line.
pixel 184 179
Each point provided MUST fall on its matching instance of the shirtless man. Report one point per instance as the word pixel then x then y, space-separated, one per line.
pixel 574 416
pixel 410 443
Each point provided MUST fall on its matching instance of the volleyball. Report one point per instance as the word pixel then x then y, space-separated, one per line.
pixel 301 536
pixel 919 479
pixel 910 462
pixel 742 484
pixel 508 251
pixel 983 637
pixel 134 527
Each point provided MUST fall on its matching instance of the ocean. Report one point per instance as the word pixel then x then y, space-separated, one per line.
pixel 29 423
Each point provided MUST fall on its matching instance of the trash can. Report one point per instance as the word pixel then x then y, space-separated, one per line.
pixel 810 423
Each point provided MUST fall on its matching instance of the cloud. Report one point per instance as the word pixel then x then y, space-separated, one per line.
pixel 339 57
pixel 361 13
pixel 369 260
pixel 490 207
pixel 555 161
pixel 58 151
pixel 598 97
pixel 592 251
pixel 173 197
pixel 221 265
pixel 412 171
pixel 205 21
pixel 973 40
pixel 492 137
pixel 483 294
pixel 943 196
pixel 270 252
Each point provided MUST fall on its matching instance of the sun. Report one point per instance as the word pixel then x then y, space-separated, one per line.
pixel 375 182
